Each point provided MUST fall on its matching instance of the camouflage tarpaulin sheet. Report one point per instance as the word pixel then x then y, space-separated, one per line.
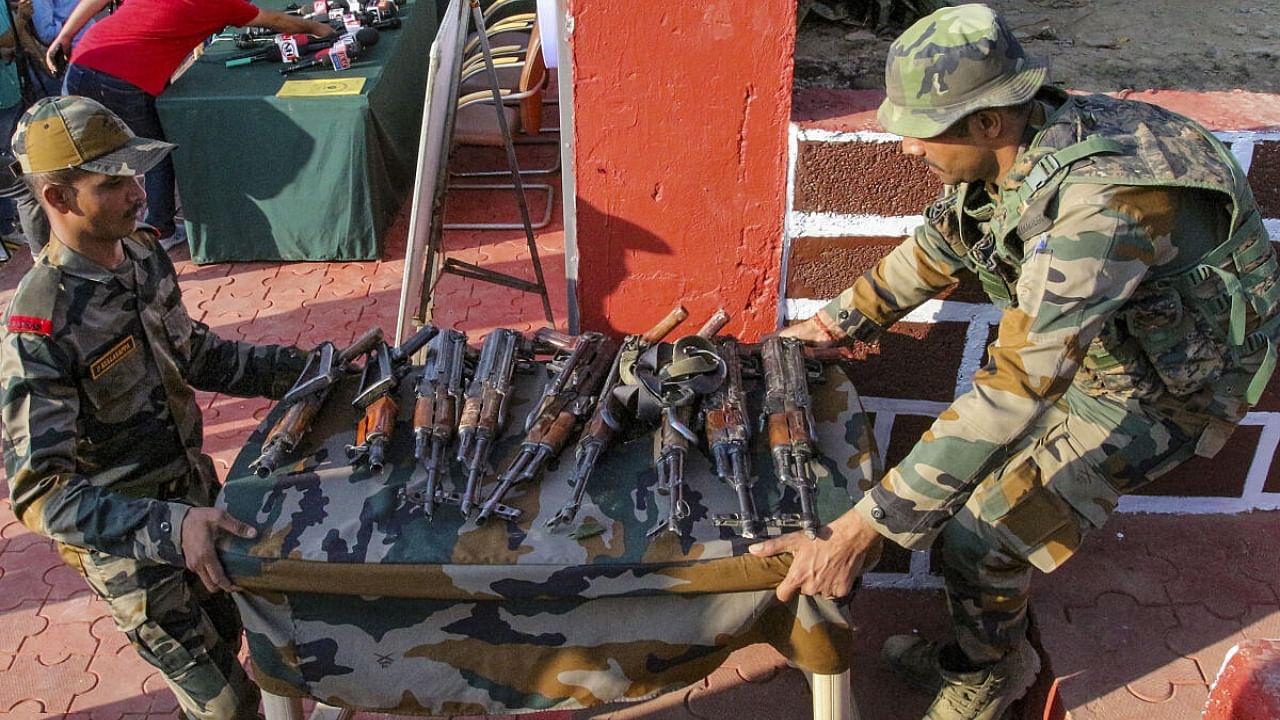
pixel 354 598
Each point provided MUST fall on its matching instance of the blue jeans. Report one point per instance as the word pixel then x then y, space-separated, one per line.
pixel 137 109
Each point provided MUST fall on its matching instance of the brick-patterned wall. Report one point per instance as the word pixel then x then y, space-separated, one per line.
pixel 854 196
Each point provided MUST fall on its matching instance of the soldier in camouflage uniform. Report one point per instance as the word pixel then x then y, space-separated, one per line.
pixel 1139 296
pixel 101 430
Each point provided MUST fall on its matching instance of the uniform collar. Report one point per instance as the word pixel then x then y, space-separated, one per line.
pixel 71 262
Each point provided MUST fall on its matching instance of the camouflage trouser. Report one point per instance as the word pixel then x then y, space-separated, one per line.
pixel 176 625
pixel 1033 511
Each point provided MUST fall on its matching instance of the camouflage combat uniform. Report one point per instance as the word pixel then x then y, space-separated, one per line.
pixel 1139 297
pixel 103 450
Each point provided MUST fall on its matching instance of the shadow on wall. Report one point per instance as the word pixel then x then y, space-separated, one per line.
pixel 617 244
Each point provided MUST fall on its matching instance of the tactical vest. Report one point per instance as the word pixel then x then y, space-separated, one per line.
pixel 1132 144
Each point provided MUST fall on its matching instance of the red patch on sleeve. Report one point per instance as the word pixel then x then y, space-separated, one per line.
pixel 28 324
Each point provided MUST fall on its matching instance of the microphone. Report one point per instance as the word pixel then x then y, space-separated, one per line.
pixel 365 37
pixel 338 57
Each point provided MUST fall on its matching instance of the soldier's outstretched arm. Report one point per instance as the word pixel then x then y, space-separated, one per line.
pixel 240 368
pixel 48 495
pixel 1073 278
pixel 827 565
pixel 920 267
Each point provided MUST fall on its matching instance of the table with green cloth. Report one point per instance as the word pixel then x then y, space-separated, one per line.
pixel 354 598
pixel 298 178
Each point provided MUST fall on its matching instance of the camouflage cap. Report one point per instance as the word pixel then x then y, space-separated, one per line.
pixel 60 133
pixel 951 63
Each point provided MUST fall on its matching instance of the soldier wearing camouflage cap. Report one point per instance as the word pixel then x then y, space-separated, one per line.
pixel 102 434
pixel 1139 294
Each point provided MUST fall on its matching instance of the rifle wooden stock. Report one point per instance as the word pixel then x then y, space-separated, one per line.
pixel 484 412
pixel 789 423
pixel 714 324
pixel 728 438
pixel 373 433
pixel 664 326
pixel 286 434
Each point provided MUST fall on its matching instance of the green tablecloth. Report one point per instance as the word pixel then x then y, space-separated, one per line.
pixel 354 598
pixel 268 178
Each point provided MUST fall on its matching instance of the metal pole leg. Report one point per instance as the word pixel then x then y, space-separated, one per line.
pixel 832 697
pixel 275 707
pixel 328 712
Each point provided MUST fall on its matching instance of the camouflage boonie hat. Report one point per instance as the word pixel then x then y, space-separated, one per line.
pixel 60 133
pixel 951 63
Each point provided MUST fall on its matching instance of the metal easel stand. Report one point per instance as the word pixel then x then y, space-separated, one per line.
pixel 475 272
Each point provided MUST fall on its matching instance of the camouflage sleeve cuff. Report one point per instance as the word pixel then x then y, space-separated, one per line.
pixel 288 365
pixel 843 322
pixel 166 534
pixel 875 514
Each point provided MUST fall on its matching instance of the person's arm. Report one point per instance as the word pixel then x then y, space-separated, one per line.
pixel 41 406
pixel 286 23
pixel 76 20
pixel 42 18
pixel 919 268
pixel 1073 278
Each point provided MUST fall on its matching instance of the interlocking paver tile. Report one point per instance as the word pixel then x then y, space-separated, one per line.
pixel 18 538
pixel 81 607
pixel 1262 622
pixel 1203 637
pixel 59 642
pixel 24 576
pixel 64 582
pixel 121 690
pixel 756 663
pixel 24 709
pixel 726 695
pixel 110 640
pixel 1112 559
pixel 251 280
pixel 162 698
pixel 18 623
pixel 294 287
pixel 52 686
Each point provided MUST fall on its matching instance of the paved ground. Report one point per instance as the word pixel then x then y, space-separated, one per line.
pixel 1137 626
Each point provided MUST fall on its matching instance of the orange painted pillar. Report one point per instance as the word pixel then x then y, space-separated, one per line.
pixel 680 140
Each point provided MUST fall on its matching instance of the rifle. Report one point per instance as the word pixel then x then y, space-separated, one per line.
pixel 671 444
pixel 484 413
pixel 323 368
pixel 788 415
pixel 435 414
pixel 567 401
pixel 728 438
pixel 607 417
pixel 378 381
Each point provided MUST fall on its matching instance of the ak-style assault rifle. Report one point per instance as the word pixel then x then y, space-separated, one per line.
pixel 435 414
pixel 566 402
pixel 788 416
pixel 728 439
pixel 378 381
pixel 671 444
pixel 325 365
pixel 607 419
pixel 484 413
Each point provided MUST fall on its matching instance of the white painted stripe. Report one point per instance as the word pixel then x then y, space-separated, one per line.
pixel 803 309
pixel 900 581
pixel 839 136
pixel 788 221
pixel 817 224
pixel 1235 136
pixel 903 406
pixel 1243 152
pixel 1273 228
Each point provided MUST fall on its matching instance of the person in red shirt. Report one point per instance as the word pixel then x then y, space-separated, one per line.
pixel 126 59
